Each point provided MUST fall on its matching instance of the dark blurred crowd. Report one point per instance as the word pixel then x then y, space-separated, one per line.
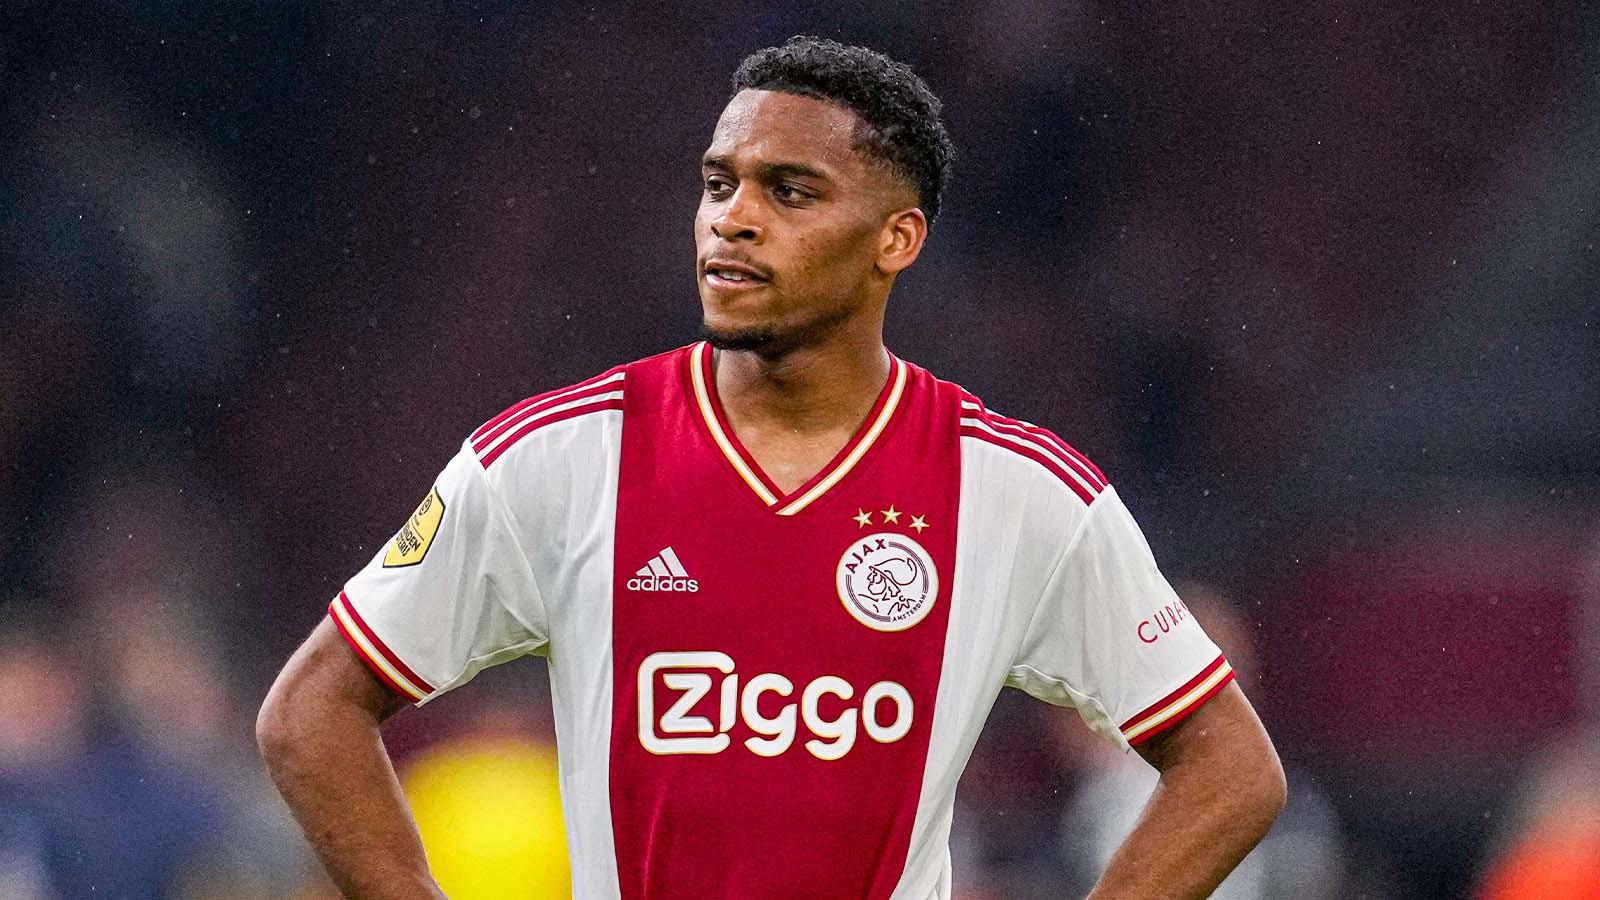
pixel 1317 287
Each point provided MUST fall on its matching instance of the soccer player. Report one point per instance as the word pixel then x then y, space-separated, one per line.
pixel 780 574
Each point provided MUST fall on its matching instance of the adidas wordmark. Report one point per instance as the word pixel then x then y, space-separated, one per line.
pixel 663 573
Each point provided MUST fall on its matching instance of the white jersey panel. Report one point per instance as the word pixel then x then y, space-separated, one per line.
pixel 466 583
pixel 451 594
pixel 1049 597
pixel 1111 639
pixel 1015 518
pixel 565 478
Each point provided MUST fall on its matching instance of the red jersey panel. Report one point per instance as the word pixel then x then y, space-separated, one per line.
pixel 782 688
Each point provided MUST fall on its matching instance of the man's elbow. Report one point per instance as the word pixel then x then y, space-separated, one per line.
pixel 1268 788
pixel 290 718
pixel 273 725
pixel 320 684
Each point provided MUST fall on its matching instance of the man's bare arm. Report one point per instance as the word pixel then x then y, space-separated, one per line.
pixel 318 732
pixel 1221 788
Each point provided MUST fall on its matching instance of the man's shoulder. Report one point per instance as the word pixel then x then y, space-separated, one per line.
pixel 1032 445
pixel 587 400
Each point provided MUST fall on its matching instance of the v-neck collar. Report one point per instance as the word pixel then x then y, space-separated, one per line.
pixel 710 407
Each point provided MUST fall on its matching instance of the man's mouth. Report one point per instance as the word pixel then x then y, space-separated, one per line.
pixel 727 273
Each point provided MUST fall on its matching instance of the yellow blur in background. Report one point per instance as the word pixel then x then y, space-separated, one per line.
pixel 490 816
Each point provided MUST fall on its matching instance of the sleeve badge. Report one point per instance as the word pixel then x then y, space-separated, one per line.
pixel 411 543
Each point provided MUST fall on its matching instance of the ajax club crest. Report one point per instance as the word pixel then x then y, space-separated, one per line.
pixel 887 581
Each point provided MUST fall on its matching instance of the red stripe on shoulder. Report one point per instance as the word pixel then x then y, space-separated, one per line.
pixel 527 410
pixel 548 418
pixel 1068 455
pixel 522 405
pixel 1031 451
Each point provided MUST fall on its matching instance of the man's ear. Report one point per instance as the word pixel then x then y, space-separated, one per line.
pixel 901 240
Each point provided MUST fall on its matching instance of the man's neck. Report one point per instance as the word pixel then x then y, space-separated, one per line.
pixel 810 389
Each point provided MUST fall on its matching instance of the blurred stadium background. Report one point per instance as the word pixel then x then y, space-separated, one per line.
pixel 1317 286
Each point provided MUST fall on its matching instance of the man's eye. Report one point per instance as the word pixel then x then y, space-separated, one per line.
pixel 716 184
pixel 790 192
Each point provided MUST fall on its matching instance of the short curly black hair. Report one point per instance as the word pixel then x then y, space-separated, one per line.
pixel 900 115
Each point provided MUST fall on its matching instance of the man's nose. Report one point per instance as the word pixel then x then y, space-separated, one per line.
pixel 740 218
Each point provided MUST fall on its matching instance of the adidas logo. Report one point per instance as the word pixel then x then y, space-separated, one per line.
pixel 663 573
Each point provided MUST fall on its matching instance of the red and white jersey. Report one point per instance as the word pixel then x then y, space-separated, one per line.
pixel 769 694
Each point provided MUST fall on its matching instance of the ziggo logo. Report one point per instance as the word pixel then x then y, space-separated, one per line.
pixel 675 731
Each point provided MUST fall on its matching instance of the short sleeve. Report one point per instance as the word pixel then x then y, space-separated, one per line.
pixel 1111 638
pixel 449 595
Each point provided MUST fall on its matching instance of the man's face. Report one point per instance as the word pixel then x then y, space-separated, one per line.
pixel 789 224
